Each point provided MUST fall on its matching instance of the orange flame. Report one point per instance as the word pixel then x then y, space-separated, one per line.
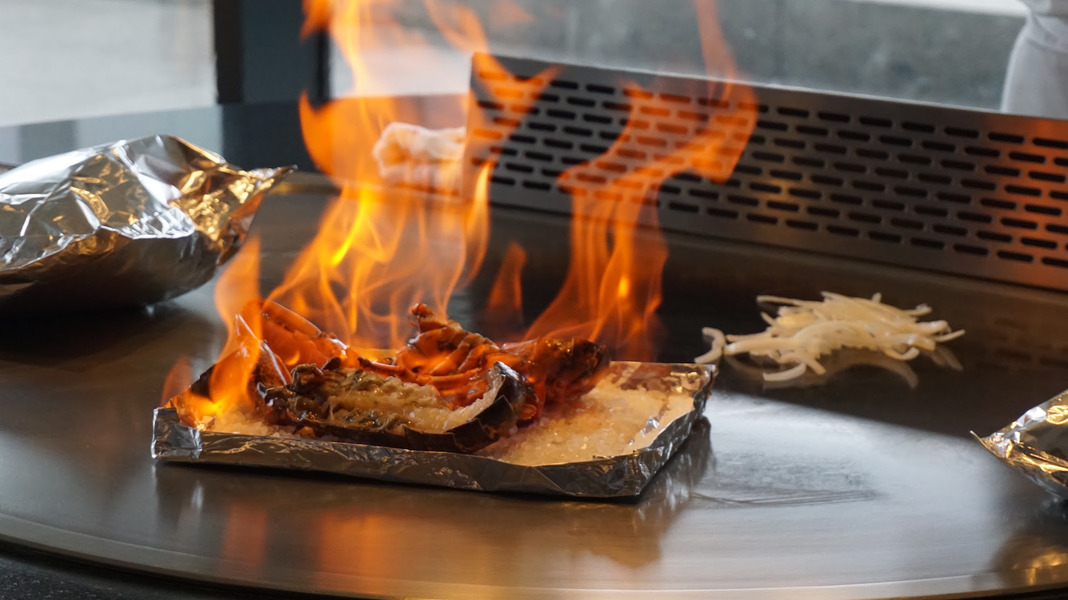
pixel 504 307
pixel 230 378
pixel 382 247
pixel 237 285
pixel 378 253
pixel 613 286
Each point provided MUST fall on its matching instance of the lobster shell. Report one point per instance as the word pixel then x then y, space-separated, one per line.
pixel 310 402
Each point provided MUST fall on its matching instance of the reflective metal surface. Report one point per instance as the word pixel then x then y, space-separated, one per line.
pixel 860 487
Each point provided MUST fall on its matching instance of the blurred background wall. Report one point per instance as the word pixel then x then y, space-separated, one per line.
pixel 62 59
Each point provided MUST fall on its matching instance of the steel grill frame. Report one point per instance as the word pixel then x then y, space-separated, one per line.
pixel 939 188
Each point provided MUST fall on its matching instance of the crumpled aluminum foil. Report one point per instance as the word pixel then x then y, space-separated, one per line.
pixel 604 477
pixel 1036 444
pixel 123 224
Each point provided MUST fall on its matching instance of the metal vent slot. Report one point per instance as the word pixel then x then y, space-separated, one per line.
pixel 961 191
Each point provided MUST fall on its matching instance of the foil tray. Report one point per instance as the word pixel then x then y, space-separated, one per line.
pixel 684 389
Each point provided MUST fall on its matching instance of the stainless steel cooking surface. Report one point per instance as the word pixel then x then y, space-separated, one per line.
pixel 857 488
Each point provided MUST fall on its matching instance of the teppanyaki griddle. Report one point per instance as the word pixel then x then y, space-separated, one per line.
pixel 856 487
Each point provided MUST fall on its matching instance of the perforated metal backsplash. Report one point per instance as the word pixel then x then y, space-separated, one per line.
pixel 962 191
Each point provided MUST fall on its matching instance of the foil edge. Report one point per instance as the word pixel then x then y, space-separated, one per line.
pixel 609 477
pixel 1034 462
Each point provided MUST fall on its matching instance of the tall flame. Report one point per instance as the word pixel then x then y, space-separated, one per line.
pixel 613 285
pixel 378 252
pixel 381 247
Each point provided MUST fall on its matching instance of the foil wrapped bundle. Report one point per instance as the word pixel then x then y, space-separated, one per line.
pixel 123 224
pixel 1036 444
pixel 671 397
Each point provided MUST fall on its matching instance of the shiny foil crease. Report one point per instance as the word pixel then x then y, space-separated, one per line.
pixel 123 224
pixel 614 476
pixel 1036 444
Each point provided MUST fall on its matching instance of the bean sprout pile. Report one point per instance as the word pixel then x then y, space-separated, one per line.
pixel 804 330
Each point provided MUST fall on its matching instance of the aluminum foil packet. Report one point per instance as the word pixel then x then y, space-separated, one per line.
pixel 643 413
pixel 123 224
pixel 1036 444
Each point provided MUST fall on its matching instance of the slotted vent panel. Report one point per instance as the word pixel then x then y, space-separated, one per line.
pixel 962 191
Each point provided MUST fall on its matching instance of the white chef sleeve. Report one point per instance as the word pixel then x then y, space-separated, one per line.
pixel 1036 81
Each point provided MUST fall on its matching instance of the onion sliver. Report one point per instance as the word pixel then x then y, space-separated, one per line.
pixel 803 330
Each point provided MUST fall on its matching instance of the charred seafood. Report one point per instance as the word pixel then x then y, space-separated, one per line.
pixel 451 359
pixel 447 389
pixel 364 407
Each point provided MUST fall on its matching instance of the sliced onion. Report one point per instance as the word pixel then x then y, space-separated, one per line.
pixel 791 373
pixel 803 330
pixel 717 341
